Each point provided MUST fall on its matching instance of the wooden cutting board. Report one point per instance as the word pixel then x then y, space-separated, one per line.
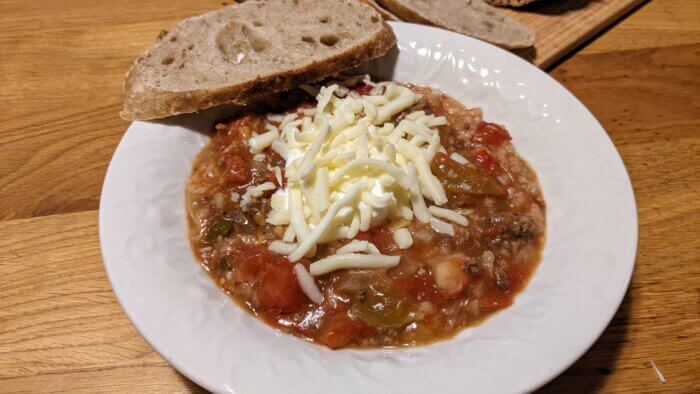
pixel 562 25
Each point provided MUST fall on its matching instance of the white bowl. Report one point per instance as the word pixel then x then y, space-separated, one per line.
pixel 585 269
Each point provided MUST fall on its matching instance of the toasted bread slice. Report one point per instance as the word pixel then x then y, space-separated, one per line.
pixel 471 17
pixel 252 48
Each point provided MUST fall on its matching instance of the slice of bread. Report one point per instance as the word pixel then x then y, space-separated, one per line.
pixel 471 17
pixel 251 48
pixel 386 14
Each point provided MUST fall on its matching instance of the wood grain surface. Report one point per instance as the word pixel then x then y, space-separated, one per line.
pixel 561 26
pixel 61 70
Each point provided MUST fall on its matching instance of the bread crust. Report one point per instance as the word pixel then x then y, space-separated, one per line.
pixel 406 13
pixel 509 3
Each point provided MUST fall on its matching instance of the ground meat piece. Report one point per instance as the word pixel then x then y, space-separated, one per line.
pixel 462 238
pixel 521 227
pixel 512 226
pixel 444 240
pixel 362 295
pixel 501 278
pixel 474 269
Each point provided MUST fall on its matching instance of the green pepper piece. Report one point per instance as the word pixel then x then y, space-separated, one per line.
pixel 382 305
pixel 223 263
pixel 464 179
pixel 220 227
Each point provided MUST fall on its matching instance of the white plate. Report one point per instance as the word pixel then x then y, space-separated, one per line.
pixel 585 269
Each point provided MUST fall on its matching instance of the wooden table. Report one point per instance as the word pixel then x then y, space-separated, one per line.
pixel 61 70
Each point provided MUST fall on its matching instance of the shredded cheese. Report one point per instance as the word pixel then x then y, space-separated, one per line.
pixel 348 168
pixel 358 246
pixel 296 215
pixel 459 158
pixel 441 227
pixel 352 260
pixel 419 207
pixel 261 141
pixel 404 180
pixel 278 174
pixel 288 235
pixel 322 226
pixel 280 148
pixel 308 284
pixel 403 238
pixel 282 248
pixel 255 191
pixel 448 214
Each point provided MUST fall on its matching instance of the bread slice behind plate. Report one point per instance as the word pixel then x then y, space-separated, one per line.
pixel 470 17
pixel 386 14
pixel 252 48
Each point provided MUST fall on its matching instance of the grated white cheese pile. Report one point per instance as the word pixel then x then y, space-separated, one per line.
pixel 349 169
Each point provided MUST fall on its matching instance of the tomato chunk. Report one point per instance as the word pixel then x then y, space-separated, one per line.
pixel 492 300
pixel 279 290
pixel 363 89
pixel 486 161
pixel 239 172
pixel 421 287
pixel 491 134
pixel 339 330
pixel 241 129
pixel 247 266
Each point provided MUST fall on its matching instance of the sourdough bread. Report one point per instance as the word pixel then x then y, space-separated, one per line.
pixel 252 48
pixel 386 14
pixel 470 17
